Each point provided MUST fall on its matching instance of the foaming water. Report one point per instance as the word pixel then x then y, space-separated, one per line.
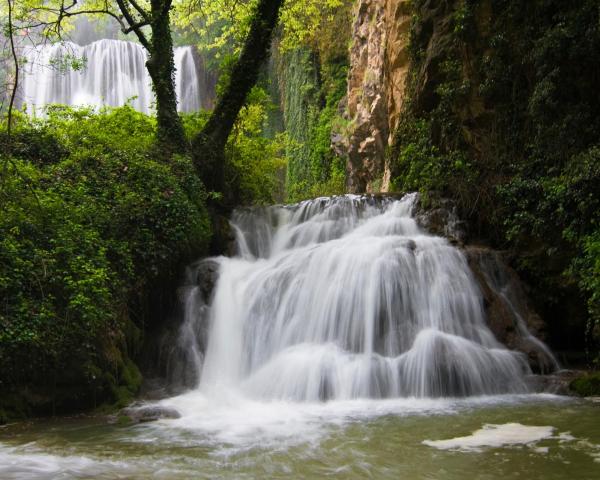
pixel 491 436
pixel 234 423
pixel 340 341
pixel 221 436
pixel 347 298
pixel 114 73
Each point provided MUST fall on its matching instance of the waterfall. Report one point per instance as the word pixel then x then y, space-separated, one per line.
pixel 186 80
pixel 342 298
pixel 114 73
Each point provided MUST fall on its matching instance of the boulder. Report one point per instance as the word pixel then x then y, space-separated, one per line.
pixel 509 313
pixel 148 413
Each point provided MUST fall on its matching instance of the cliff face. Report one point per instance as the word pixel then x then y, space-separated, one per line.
pixel 492 104
pixel 376 88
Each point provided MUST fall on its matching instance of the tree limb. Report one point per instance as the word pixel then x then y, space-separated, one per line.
pixel 135 26
pixel 16 62
pixel 208 146
pixel 143 13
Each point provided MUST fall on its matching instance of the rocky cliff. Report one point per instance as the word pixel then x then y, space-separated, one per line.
pixel 492 104
pixel 376 87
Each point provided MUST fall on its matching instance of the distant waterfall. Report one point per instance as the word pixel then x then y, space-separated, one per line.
pixel 342 298
pixel 114 73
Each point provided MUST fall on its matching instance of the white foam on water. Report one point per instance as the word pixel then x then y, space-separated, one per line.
pixel 240 423
pixel 232 422
pixel 30 462
pixel 495 436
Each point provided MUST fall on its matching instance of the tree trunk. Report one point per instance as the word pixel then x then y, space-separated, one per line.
pixel 161 67
pixel 208 146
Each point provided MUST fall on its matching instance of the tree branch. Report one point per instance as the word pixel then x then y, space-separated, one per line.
pixel 16 62
pixel 135 26
pixel 143 13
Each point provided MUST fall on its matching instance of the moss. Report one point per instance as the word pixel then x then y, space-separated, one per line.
pixel 312 91
pixel 124 420
pixel 131 377
pixel 587 385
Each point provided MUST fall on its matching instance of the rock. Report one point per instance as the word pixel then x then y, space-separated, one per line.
pixel 558 383
pixel 443 221
pixel 586 385
pixel 509 314
pixel 379 66
pixel 205 275
pixel 148 413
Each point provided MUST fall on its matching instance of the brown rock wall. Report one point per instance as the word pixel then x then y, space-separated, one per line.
pixel 376 84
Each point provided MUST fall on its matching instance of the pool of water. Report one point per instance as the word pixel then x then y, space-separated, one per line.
pixel 500 437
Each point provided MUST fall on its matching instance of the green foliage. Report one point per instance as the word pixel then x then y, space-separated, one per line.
pixel 91 223
pixel 219 27
pixel 422 167
pixel 311 98
pixel 586 267
pixel 587 385
pixel 503 116
pixel 256 163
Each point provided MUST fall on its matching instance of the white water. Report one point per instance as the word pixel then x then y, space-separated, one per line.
pixel 494 436
pixel 114 73
pixel 345 298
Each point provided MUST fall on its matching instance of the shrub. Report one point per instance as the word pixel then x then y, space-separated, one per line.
pixel 92 223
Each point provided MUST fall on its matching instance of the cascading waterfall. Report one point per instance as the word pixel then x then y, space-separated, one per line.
pixel 114 73
pixel 343 298
pixel 186 80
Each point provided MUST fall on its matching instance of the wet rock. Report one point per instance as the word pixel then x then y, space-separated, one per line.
pixel 149 413
pixel 586 385
pixel 223 238
pixel 558 383
pixel 509 314
pixel 206 274
pixel 443 221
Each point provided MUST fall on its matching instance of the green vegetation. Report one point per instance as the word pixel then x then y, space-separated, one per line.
pixel 312 168
pixel 503 116
pixel 313 79
pixel 256 162
pixel 93 222
pixel 96 223
pixel 587 385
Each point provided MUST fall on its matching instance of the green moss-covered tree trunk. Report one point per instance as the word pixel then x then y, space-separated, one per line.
pixel 170 134
pixel 209 145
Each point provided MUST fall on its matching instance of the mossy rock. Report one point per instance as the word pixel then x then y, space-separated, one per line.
pixel 587 385
pixel 123 392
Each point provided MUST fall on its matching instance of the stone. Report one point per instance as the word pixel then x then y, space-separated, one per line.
pixel 557 383
pixel 376 91
pixel 149 413
pixel 443 221
pixel 510 316
pixel 206 273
